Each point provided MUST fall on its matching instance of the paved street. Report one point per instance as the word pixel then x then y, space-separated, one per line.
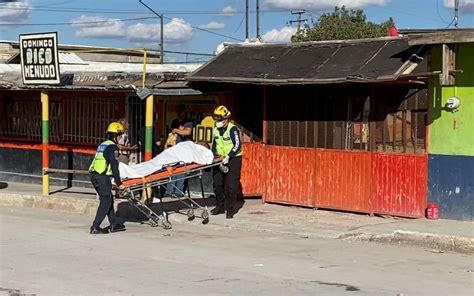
pixel 51 253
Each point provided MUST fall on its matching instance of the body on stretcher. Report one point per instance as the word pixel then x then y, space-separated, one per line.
pixel 168 173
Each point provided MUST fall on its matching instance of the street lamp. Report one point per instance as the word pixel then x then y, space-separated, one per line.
pixel 161 34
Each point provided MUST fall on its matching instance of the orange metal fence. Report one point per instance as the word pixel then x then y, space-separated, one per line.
pixel 343 180
pixel 290 175
pixel 399 184
pixel 366 182
pixel 253 173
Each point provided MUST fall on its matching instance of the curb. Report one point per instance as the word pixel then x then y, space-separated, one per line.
pixel 436 242
pixel 80 206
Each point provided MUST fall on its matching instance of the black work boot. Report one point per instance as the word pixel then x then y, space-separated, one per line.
pixel 229 214
pixel 217 210
pixel 98 230
pixel 117 228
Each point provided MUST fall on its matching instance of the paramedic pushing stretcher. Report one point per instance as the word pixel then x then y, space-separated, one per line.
pixel 103 167
pixel 226 144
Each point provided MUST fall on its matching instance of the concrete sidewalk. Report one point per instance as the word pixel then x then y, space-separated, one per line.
pixel 437 236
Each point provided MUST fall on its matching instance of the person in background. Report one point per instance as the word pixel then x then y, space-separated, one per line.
pixel 124 145
pixel 227 145
pixel 182 127
pixel 103 167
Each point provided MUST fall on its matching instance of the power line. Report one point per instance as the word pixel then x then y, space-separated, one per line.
pixel 455 19
pixel 77 23
pixel 240 24
pixel 201 29
pixel 439 14
pixel 116 20
pixel 116 11
pixel 434 19
pixel 190 53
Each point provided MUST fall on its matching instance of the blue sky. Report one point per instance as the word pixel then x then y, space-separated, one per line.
pixel 126 23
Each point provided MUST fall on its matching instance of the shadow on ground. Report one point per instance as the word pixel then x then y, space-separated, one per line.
pixel 130 213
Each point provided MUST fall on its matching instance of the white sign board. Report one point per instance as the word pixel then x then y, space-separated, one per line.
pixel 39 58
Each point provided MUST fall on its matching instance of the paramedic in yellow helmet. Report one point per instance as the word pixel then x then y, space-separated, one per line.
pixel 228 145
pixel 105 166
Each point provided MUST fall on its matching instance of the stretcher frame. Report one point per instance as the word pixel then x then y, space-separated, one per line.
pixel 169 173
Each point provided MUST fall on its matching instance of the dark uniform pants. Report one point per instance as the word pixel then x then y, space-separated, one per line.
pixel 103 186
pixel 226 186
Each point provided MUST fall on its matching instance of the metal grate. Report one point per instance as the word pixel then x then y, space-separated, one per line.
pixel 77 119
pixel 16 124
pixel 84 119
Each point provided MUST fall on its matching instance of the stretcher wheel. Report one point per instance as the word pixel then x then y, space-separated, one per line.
pixel 205 221
pixel 154 221
pixel 167 225
pixel 190 214
pixel 205 215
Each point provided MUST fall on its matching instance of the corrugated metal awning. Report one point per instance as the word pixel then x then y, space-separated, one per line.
pixel 370 60
pixel 70 58
pixel 175 92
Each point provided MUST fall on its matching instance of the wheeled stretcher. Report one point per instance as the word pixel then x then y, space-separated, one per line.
pixel 169 173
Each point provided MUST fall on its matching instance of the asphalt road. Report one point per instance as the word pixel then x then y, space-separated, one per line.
pixel 50 253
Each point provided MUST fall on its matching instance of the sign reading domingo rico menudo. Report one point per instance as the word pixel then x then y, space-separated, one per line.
pixel 39 58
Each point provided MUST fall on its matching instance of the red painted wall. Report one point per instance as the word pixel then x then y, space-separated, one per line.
pixel 290 175
pixel 399 184
pixel 343 180
pixel 366 182
pixel 253 173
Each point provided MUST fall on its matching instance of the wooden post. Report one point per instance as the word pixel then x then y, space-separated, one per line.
pixel 149 128
pixel 148 114
pixel 45 138
pixel 449 64
pixel 265 121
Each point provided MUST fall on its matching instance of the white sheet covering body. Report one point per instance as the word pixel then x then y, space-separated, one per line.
pixel 186 152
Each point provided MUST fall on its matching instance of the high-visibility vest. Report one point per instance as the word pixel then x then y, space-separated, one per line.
pixel 99 163
pixel 224 143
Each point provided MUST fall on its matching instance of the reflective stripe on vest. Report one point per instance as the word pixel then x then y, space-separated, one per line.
pixel 224 143
pixel 99 163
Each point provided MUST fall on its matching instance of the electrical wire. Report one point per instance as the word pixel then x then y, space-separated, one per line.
pixel 78 23
pixel 241 22
pixel 201 29
pixel 406 13
pixel 117 11
pixel 449 25
pixel 125 20
pixel 439 15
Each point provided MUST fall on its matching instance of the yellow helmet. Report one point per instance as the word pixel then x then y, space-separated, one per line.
pixel 221 113
pixel 115 128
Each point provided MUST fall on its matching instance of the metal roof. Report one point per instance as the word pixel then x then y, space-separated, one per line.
pixel 70 58
pixel 371 60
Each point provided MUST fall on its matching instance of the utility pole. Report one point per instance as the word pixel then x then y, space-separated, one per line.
pixel 162 53
pixel 246 19
pixel 161 30
pixel 258 20
pixel 456 13
pixel 298 20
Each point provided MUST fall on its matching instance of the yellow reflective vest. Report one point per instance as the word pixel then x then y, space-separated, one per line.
pixel 224 143
pixel 99 163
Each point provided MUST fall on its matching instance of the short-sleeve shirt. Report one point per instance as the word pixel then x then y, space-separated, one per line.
pixel 186 123
pixel 124 141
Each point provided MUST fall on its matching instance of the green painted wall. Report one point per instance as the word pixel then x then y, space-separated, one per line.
pixel 452 133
